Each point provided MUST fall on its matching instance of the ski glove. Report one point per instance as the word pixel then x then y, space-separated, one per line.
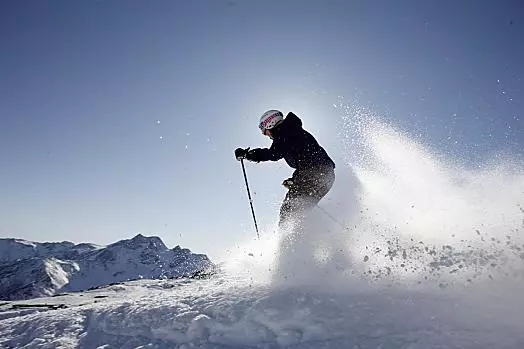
pixel 288 183
pixel 241 154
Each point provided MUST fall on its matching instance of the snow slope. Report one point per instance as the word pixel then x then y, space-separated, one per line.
pixel 34 277
pixel 222 312
pixel 289 291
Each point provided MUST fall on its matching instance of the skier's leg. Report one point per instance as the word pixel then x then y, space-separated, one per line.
pixel 290 207
pixel 322 184
pixel 314 188
pixel 305 194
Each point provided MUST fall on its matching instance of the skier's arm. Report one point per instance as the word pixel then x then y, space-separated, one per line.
pixel 265 154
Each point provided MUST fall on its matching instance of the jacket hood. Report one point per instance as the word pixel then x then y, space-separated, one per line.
pixel 291 122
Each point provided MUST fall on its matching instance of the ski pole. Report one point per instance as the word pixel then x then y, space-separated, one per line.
pixel 249 196
pixel 332 218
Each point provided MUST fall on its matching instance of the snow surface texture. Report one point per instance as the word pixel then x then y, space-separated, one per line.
pixel 30 269
pixel 411 252
pixel 225 313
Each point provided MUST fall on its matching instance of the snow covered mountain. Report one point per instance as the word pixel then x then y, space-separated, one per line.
pixel 29 269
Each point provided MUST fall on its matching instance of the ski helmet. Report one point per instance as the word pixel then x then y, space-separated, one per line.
pixel 270 119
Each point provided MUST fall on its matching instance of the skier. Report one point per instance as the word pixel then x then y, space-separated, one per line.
pixel 314 170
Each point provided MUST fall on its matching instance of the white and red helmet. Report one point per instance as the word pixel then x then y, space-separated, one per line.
pixel 270 119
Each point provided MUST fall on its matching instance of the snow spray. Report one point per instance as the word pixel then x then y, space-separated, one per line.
pixel 413 217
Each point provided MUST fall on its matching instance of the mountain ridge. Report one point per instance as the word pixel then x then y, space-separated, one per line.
pixel 31 269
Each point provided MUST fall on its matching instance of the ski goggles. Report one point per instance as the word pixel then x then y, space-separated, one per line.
pixel 263 129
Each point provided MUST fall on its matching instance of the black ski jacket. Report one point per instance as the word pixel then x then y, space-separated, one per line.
pixel 297 146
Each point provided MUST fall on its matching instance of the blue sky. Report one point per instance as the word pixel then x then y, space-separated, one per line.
pixel 119 117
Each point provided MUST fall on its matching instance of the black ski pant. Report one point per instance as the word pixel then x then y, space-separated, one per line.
pixel 308 188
